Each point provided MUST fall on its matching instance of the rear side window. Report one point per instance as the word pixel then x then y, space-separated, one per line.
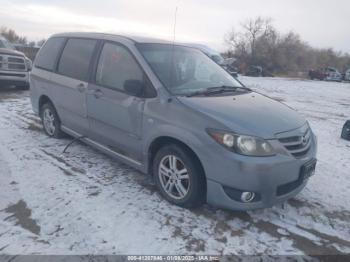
pixel 76 57
pixel 47 56
pixel 115 66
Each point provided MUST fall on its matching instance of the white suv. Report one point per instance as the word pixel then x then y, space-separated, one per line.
pixel 14 66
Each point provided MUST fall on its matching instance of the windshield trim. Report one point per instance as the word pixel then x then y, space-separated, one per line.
pixel 139 49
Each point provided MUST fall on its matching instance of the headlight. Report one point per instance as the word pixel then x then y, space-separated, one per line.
pixel 241 144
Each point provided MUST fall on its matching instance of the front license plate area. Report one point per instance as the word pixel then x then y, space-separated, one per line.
pixel 308 169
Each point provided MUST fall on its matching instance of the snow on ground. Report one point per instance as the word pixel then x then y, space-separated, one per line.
pixel 83 202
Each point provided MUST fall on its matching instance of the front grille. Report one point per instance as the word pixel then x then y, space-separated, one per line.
pixel 298 146
pixel 15 60
pixel 12 74
pixel 16 67
pixel 12 63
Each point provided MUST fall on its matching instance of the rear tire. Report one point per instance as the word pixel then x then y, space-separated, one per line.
pixel 50 120
pixel 179 177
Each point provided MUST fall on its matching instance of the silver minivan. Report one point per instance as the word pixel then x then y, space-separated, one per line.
pixel 168 110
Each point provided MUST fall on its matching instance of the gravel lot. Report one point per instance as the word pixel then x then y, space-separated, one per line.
pixel 85 202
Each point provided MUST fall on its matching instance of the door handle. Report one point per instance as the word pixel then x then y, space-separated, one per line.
pixel 81 87
pixel 97 93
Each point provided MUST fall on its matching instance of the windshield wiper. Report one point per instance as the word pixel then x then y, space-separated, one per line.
pixel 217 90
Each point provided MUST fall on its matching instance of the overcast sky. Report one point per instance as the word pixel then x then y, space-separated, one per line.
pixel 322 23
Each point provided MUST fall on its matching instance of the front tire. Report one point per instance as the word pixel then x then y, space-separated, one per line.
pixel 179 176
pixel 51 121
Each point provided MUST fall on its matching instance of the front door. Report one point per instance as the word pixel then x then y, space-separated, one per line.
pixel 115 117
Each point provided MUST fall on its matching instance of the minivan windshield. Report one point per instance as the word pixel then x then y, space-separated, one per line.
pixel 185 70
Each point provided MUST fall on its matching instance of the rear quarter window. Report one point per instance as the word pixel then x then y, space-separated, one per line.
pixel 76 57
pixel 47 56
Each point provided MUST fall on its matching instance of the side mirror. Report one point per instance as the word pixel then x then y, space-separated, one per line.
pixel 133 87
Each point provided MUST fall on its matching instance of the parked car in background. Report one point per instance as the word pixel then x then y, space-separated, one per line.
pixel 347 75
pixel 217 58
pixel 332 74
pixel 258 71
pixel 14 66
pixel 228 65
pixel 326 74
pixel 317 74
pixel 171 111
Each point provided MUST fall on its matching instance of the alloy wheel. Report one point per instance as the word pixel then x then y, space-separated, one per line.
pixel 174 177
pixel 49 121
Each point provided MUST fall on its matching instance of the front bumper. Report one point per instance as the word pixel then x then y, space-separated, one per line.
pixel 273 179
pixel 335 78
pixel 19 78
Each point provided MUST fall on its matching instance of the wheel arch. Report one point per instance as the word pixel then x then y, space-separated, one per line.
pixel 43 100
pixel 162 141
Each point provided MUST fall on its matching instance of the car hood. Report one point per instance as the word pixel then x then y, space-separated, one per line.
pixel 249 113
pixel 6 51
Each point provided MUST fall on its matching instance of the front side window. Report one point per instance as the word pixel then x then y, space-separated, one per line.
pixel 184 70
pixel 47 55
pixel 116 66
pixel 76 57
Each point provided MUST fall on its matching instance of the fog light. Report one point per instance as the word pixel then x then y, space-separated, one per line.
pixel 247 197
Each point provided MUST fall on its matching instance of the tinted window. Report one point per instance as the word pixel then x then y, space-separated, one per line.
pixel 46 58
pixel 76 58
pixel 116 65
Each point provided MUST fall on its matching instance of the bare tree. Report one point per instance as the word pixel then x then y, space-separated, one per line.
pixel 255 29
pixel 12 36
pixel 245 40
pixel 257 42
